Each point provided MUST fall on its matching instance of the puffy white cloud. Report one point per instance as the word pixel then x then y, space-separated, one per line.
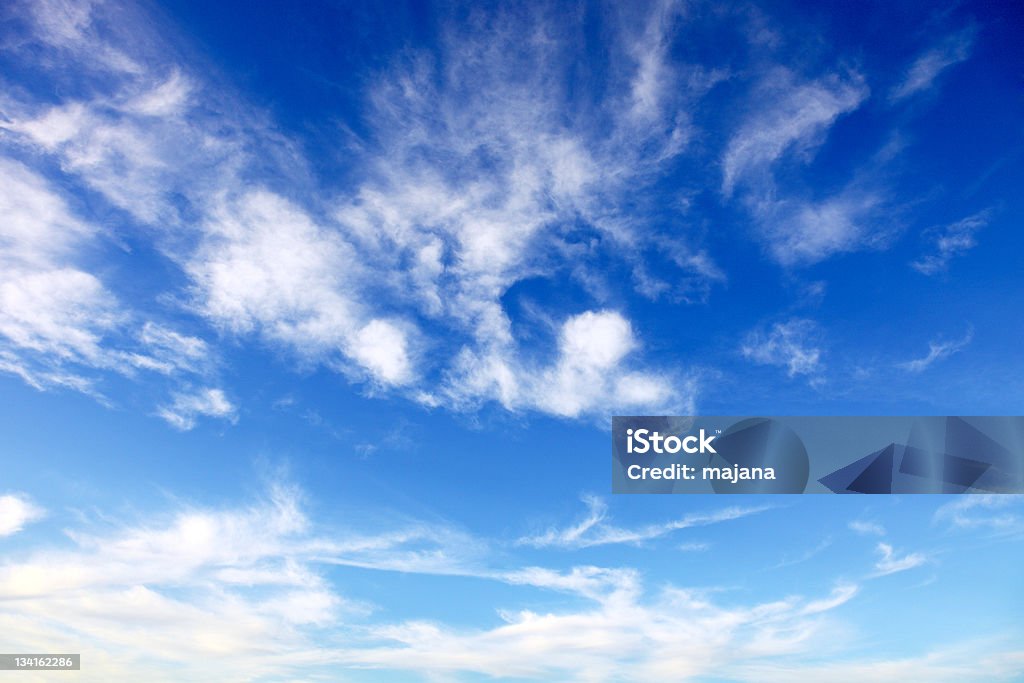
pixel 382 348
pixel 264 265
pixel 590 374
pixel 17 510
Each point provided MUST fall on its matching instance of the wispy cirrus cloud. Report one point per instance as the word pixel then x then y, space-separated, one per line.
pixel 928 66
pixel 797 228
pixel 949 242
pixel 60 324
pixel 622 635
pixel 241 589
pixel 866 528
pixel 892 562
pixel 186 408
pixel 1001 514
pixel 800 114
pixel 938 350
pixel 805 231
pixel 50 307
pixel 794 345
pixel 595 530
pixel 807 555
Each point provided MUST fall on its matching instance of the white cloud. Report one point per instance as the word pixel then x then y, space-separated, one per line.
pixel 795 118
pixel 973 661
pixel 38 227
pixel 240 592
pixel 952 241
pixel 73 28
pixel 926 68
pixel 201 593
pixel 63 313
pixel 792 119
pixel 999 513
pixel 167 99
pixel 474 181
pixel 221 587
pixel 865 528
pixel 53 314
pixel 383 349
pixel 590 375
pixel 791 344
pixel 186 408
pixel 168 350
pixel 938 350
pixel 594 529
pixel 694 547
pixel 621 635
pixel 802 232
pixel 516 177
pixel 891 562
pixel 596 340
pixel 264 265
pixel 46 304
pixel 516 172
pixel 60 325
pixel 17 510
pixel 147 145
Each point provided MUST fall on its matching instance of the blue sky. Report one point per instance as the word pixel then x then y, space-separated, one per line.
pixel 312 318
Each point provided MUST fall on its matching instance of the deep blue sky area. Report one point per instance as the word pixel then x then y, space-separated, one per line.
pixel 313 317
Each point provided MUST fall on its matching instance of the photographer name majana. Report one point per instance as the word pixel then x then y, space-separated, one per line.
pixel 645 441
